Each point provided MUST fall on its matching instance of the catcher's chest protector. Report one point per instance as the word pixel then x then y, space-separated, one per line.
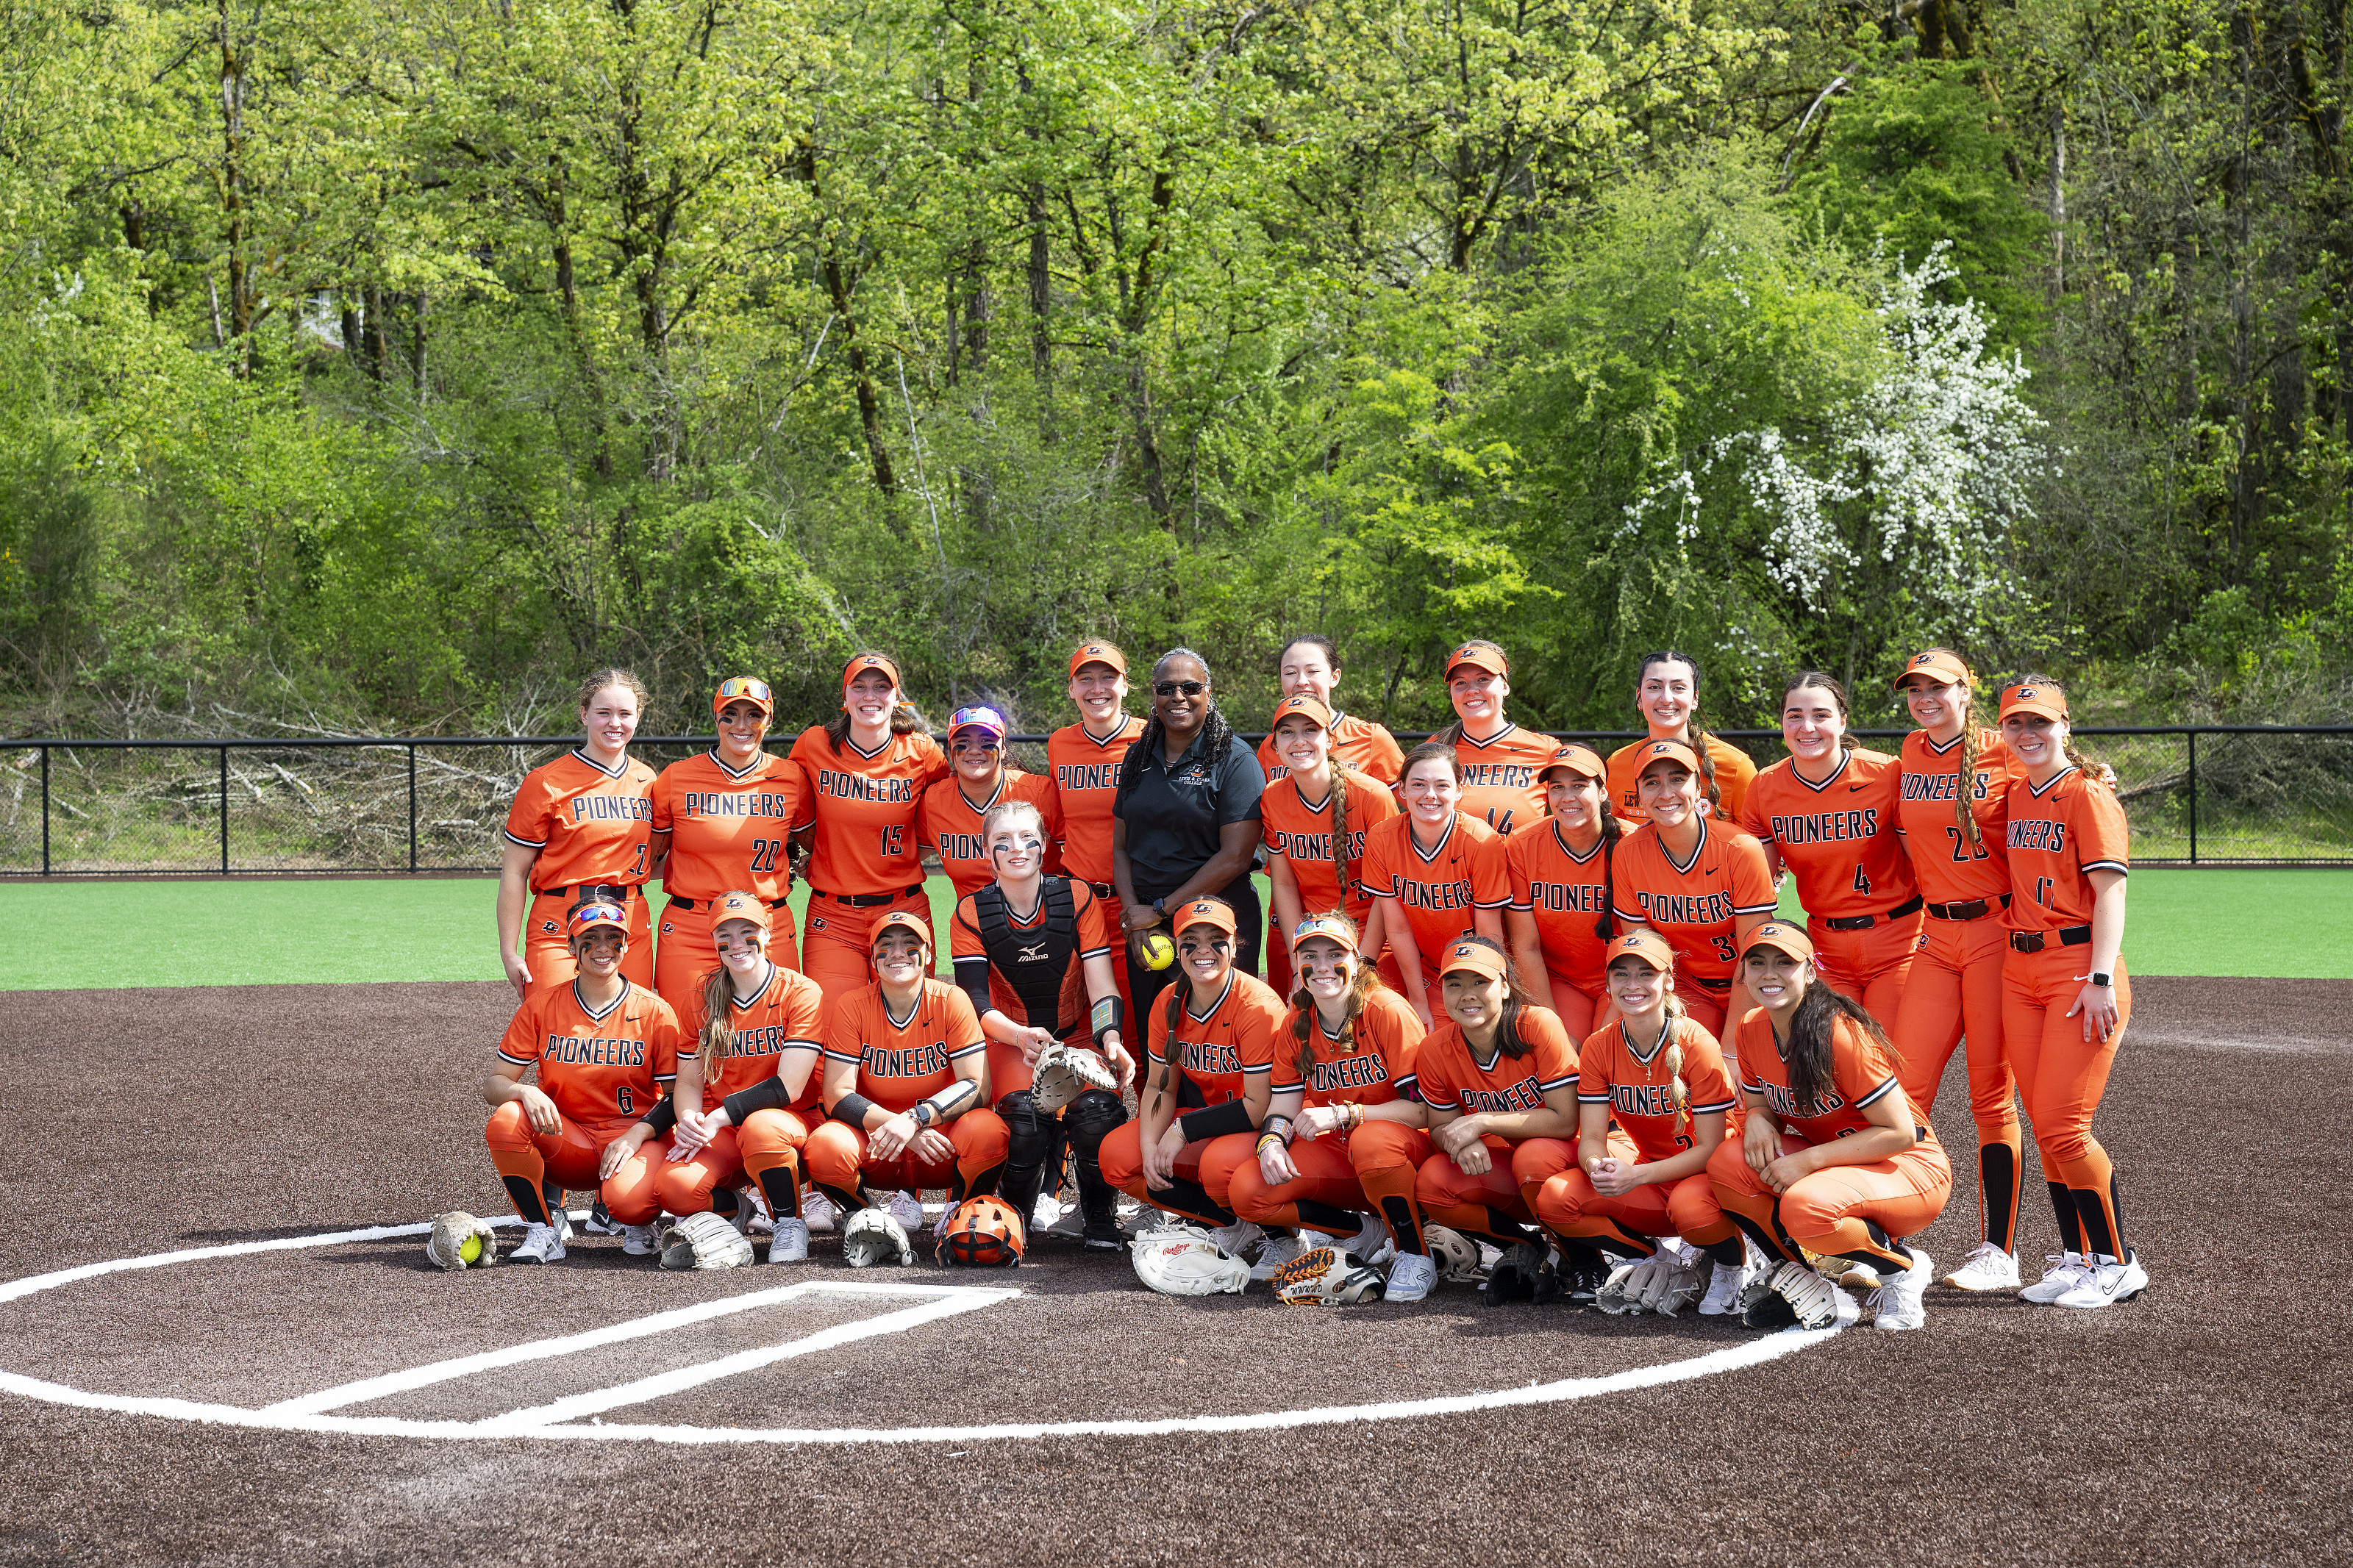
pixel 1032 959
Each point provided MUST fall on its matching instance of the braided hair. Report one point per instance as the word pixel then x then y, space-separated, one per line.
pixel 1217 736
pixel 1699 739
pixel 1362 980
pixel 1965 771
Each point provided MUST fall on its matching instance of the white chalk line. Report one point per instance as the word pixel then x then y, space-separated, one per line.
pixel 949 1300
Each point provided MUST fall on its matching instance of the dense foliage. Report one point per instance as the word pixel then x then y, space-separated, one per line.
pixel 384 363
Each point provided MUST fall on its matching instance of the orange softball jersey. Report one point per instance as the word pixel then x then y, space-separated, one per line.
pixel 1086 777
pixel 1302 835
pixel 864 808
pixel 1734 772
pixel 1221 1050
pixel 1358 744
pixel 782 1017
pixel 589 823
pixel 1567 894
pixel 1372 1064
pixel 1640 1090
pixel 1860 1076
pixel 1948 867
pixel 1450 1079
pixel 2056 834
pixel 950 825
pixel 1693 903
pixel 1441 889
pixel 1839 839
pixel 728 831
pixel 902 1060
pixel 1499 776
pixel 601 1067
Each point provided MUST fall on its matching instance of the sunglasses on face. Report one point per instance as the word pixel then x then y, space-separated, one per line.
pixel 1180 688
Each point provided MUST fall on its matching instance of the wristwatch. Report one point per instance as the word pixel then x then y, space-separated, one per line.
pixel 921 1111
pixel 1158 908
pixel 2102 980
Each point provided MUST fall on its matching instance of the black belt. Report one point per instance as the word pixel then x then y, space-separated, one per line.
pixel 867 900
pixel 2034 941
pixel 1710 984
pixel 690 906
pixel 1104 890
pixel 614 890
pixel 1864 923
pixel 1974 910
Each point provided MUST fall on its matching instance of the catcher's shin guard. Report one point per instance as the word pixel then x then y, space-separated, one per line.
pixel 1086 1123
pixel 1036 1140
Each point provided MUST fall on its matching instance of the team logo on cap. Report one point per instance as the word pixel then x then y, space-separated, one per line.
pixel 1203 909
pixel 1923 658
pixel 1634 940
pixel 1463 950
pixel 2023 692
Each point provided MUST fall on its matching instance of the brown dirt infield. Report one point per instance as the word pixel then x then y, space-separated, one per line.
pixel 2209 1419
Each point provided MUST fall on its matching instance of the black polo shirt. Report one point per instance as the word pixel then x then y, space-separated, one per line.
pixel 1173 814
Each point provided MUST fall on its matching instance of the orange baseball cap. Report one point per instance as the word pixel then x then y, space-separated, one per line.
pixel 1477 957
pixel 864 662
pixel 1577 759
pixel 743 688
pixel 597 914
pixel 1781 937
pixel 2041 696
pixel 1938 666
pixel 907 920
pixel 740 907
pixel 1646 945
pixel 1678 750
pixel 1479 656
pixel 1098 652
pixel 1203 912
pixel 1306 706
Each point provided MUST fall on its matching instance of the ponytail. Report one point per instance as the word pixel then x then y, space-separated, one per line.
pixel 1811 1080
pixel 718 992
pixel 1342 867
pixel 1676 1088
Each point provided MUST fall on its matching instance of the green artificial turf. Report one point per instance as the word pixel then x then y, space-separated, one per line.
pixel 75 935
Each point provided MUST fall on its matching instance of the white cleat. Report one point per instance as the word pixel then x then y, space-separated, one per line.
pixel 1723 1289
pixel 908 1209
pixel 1047 1214
pixel 639 1241
pixel 791 1242
pixel 2067 1271
pixel 1278 1251
pixel 540 1243
pixel 2106 1282
pixel 819 1214
pixel 1900 1302
pixel 1987 1268
pixel 762 1223
pixel 1411 1277
pixel 1235 1240
pixel 1371 1242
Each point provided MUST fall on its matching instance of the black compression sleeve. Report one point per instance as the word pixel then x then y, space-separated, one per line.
pixel 851 1109
pixel 972 974
pixel 1233 1116
pixel 662 1117
pixel 768 1094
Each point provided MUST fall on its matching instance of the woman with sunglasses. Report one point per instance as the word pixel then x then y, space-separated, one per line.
pixel 722 821
pixel 1185 822
pixel 1558 921
pixel 981 780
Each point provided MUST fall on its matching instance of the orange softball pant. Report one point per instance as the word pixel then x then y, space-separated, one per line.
pixel 2060 1076
pixel 1956 990
pixel 683 955
pixel 1582 1009
pixel 837 1161
pixel 1328 1194
pixel 766 1148
pixel 1205 1173
pixel 1860 1212
pixel 1869 966
pixel 1706 1008
pixel 527 1159
pixel 550 960
pixel 834 950
pixel 1492 1204
pixel 1570 1204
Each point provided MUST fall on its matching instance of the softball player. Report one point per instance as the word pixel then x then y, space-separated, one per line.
pixel 1558 919
pixel 756 1029
pixel 982 779
pixel 1209 1046
pixel 1499 759
pixel 2065 995
pixel 906 1083
pixel 1435 873
pixel 722 820
pixel 1315 813
pixel 580 824
pixel 1660 1078
pixel 1954 813
pixel 1828 812
pixel 1344 1134
pixel 1083 760
pixel 605 1049
pixel 1830 1159
pixel 863 777
pixel 1666 694
pixel 1698 880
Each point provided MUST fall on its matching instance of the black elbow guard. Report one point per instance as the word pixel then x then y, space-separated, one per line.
pixel 850 1111
pixel 662 1117
pixel 768 1094
pixel 1217 1120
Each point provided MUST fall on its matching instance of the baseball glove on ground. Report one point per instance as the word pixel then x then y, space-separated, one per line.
pixel 1621 1295
pixel 872 1237
pixel 705 1241
pixel 1063 1072
pixel 445 1246
pixel 1675 1281
pixel 1456 1255
pixel 1181 1260
pixel 1326 1276
pixel 1524 1270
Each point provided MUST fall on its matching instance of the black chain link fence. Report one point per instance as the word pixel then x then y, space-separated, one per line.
pixel 2213 794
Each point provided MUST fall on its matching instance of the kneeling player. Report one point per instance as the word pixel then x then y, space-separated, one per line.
pixel 756 1023
pixel 1208 1080
pixel 1031 952
pixel 905 1080
pixel 605 1048
pixel 1830 1160
pixel 1661 1077
pixel 1344 1134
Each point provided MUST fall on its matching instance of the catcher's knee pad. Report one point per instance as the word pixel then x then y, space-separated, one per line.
pixel 1030 1136
pixel 1089 1119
